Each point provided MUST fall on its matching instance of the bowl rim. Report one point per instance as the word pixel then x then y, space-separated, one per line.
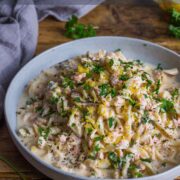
pixel 14 135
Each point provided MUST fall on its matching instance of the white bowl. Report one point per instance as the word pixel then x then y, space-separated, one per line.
pixel 132 48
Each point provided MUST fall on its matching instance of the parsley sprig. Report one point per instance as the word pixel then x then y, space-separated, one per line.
pixel 174 27
pixel 76 30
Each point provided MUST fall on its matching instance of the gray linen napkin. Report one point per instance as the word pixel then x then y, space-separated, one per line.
pixel 19 30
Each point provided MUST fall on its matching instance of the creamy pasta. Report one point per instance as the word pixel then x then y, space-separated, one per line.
pixel 102 115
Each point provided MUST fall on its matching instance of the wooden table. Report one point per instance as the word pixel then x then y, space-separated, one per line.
pixel 129 18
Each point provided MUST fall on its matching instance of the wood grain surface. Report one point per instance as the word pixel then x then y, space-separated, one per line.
pixel 133 18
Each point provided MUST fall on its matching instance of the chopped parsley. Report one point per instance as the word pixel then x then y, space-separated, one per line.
pixel 88 130
pixel 174 27
pixel 149 160
pixel 44 132
pixel 86 87
pixel 116 161
pixel 175 93
pixel 98 69
pixel 54 100
pixel 67 82
pixel 139 62
pixel 77 99
pixel 111 121
pixel 167 106
pixel 76 30
pixel 111 62
pixel 39 110
pixel 106 89
pixel 98 138
pixel 145 118
pixel 159 67
pixel 113 92
pixel 124 77
pixel 158 85
pixel 138 174
pixel 132 102
pixel 117 50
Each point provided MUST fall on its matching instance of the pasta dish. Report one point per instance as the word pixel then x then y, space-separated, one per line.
pixel 103 115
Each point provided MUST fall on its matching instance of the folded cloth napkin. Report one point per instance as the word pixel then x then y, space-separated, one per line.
pixel 19 30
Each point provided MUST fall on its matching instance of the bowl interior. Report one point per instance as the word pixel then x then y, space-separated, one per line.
pixel 132 48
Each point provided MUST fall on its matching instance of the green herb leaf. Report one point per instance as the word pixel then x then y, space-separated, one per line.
pixel 87 87
pixel 167 106
pixel 138 174
pixel 124 77
pixel 132 102
pixel 175 31
pixel 145 118
pixel 97 69
pixel 111 62
pixel 159 67
pixel 44 132
pixel 111 121
pixel 175 93
pixel 98 138
pixel 104 89
pixel 113 92
pixel 175 17
pixel 67 83
pixel 158 85
pixel 77 99
pixel 139 62
pixel 76 30
pixel 54 100
pixel 146 160
pixel 39 110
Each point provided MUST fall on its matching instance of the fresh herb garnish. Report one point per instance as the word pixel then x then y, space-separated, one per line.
pixel 159 67
pixel 132 167
pixel 116 161
pixel 54 100
pixel 117 50
pixel 86 87
pixel 97 69
pixel 111 62
pixel 138 174
pixel 67 83
pixel 167 106
pixel 158 85
pixel 76 30
pixel 132 102
pixel 174 27
pixel 146 160
pixel 139 62
pixel 113 92
pixel 77 99
pixel 175 17
pixel 88 130
pixel 44 132
pixel 106 89
pixel 111 121
pixel 39 110
pixel 175 93
pixel 98 138
pixel 124 77
pixel 145 118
